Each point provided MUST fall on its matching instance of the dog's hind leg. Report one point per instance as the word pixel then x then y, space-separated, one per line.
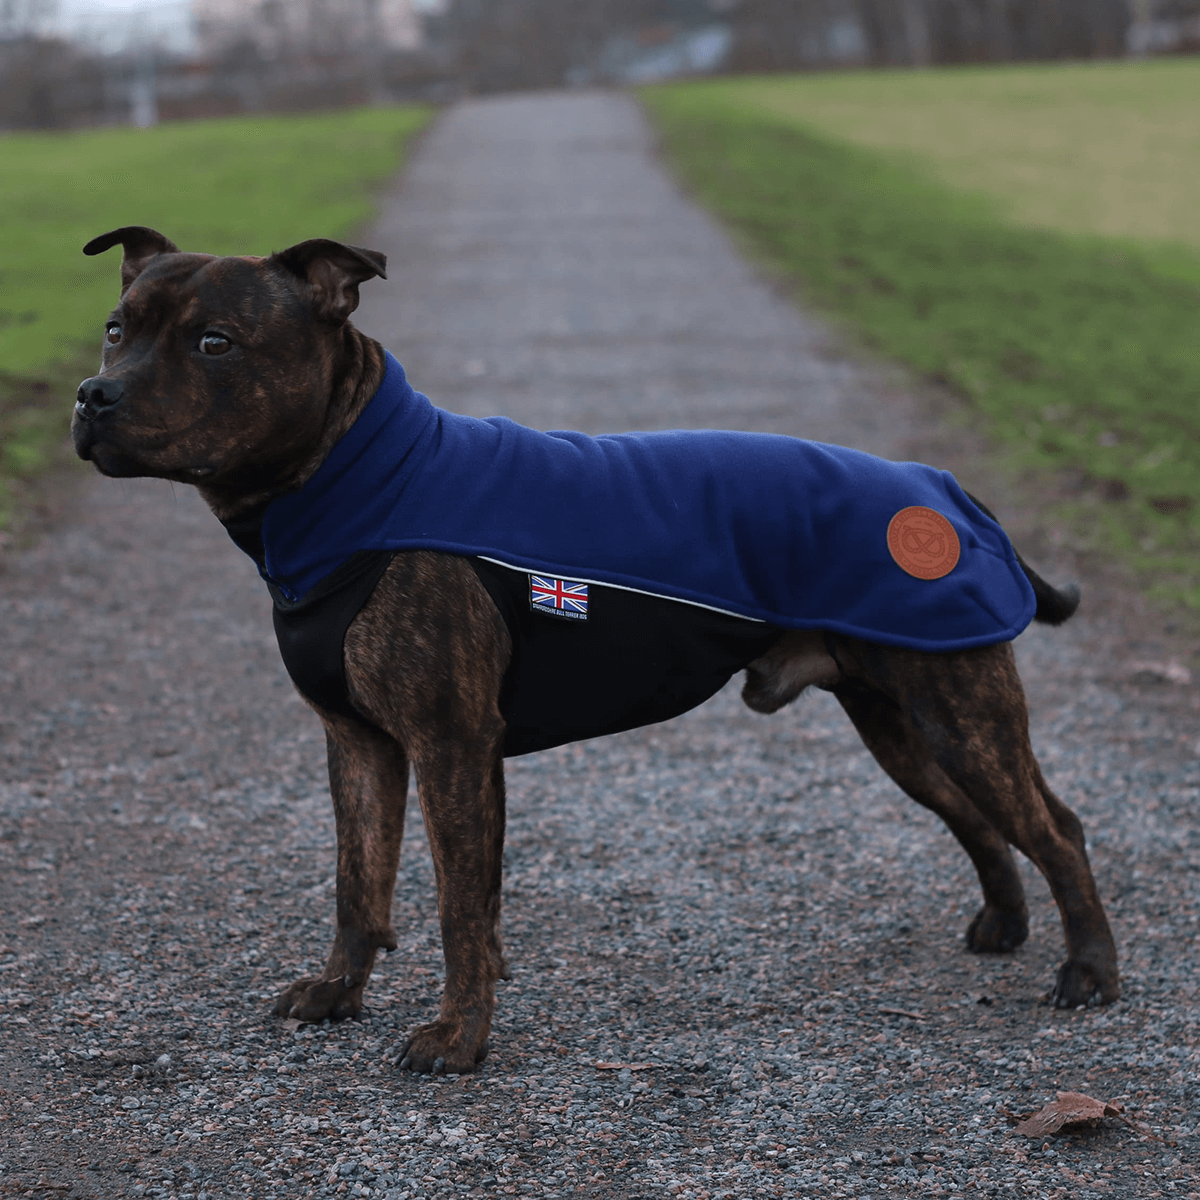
pixel 368 779
pixel 967 709
pixel 800 659
pixel 1003 922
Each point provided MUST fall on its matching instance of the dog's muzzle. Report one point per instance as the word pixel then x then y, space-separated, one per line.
pixel 98 395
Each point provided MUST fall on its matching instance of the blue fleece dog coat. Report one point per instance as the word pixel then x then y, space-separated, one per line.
pixel 678 556
pixel 762 526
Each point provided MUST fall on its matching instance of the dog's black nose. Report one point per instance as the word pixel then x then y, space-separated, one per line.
pixel 97 394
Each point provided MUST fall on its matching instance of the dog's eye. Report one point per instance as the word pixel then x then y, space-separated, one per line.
pixel 112 333
pixel 214 343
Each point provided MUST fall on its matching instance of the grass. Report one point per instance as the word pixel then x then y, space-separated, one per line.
pixel 1108 148
pixel 1076 348
pixel 242 185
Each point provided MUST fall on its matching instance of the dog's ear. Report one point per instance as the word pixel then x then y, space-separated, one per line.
pixel 333 271
pixel 141 245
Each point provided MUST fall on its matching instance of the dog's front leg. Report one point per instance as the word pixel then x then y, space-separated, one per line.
pixel 368 778
pixel 462 800
pixel 425 660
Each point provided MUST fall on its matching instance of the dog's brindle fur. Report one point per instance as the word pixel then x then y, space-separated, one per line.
pixel 239 374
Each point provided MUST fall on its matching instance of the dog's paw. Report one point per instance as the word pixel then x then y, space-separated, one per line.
pixel 1080 985
pixel 440 1048
pixel 316 999
pixel 996 931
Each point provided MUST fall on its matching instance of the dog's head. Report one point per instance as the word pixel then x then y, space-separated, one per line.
pixel 218 371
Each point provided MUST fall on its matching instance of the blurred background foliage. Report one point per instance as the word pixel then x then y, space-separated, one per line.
pixel 196 58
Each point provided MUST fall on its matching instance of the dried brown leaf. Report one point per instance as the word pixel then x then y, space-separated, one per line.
pixel 616 1066
pixel 1069 1111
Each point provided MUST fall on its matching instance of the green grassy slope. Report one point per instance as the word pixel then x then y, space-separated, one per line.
pixel 1111 148
pixel 244 185
pixel 1076 351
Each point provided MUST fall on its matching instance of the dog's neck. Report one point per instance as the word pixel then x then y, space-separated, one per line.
pixel 358 372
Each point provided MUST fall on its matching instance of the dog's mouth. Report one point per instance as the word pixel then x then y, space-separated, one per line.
pixel 83 435
pixel 95 443
pixel 108 460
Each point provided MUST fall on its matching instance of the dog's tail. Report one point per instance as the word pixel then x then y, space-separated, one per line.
pixel 1054 605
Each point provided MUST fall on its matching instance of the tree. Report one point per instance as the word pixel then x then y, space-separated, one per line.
pixel 498 45
pixel 22 18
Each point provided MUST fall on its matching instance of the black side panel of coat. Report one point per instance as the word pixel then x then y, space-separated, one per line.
pixel 635 660
pixel 311 631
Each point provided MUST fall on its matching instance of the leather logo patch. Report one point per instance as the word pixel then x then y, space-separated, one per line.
pixel 923 542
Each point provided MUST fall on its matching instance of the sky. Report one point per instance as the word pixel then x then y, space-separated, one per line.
pixel 115 24
pixel 118 24
pixel 99 7
pixel 102 6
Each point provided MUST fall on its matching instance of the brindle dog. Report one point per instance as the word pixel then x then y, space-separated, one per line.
pixel 239 374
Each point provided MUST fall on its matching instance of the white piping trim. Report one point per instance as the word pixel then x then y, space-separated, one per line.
pixel 624 588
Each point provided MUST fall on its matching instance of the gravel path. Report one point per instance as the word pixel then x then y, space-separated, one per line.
pixel 740 917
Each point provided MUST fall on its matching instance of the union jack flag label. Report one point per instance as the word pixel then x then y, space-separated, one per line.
pixel 558 597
